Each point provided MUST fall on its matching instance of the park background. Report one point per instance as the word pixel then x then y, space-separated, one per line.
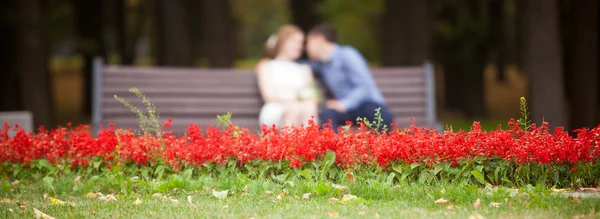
pixel 487 53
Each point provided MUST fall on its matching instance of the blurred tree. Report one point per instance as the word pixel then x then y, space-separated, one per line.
pixel 195 25
pixel 9 81
pixel 498 37
pixel 90 42
pixel 405 33
pixel 304 13
pixel 543 61
pixel 31 63
pixel 128 22
pixel 257 20
pixel 219 32
pixel 461 45
pixel 173 34
pixel 356 22
pixel 582 62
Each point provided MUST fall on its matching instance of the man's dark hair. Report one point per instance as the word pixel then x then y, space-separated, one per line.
pixel 326 30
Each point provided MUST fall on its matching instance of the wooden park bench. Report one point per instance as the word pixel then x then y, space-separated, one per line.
pixel 194 95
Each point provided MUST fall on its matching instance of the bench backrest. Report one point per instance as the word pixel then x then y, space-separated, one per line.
pixel 198 95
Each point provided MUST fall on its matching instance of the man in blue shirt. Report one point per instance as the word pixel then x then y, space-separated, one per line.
pixel 346 74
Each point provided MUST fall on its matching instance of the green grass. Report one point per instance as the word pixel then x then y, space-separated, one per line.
pixel 487 124
pixel 260 200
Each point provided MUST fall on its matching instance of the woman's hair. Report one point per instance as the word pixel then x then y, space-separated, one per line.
pixel 274 43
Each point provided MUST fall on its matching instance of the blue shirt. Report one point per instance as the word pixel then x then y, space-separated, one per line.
pixel 348 77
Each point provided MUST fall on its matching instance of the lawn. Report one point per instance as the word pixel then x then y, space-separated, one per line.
pixel 204 196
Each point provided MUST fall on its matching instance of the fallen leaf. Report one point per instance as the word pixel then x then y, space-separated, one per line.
pixel 575 200
pixel 333 214
pixel 495 204
pixel 45 195
pixel 245 189
pixel 6 200
pixel 333 200
pixel 441 201
pixel 361 213
pixel 350 177
pixel 189 199
pixel 306 196
pixel 280 195
pixel 558 190
pixel 339 187
pixel 589 189
pixel 56 201
pixel 10 210
pixel 477 216
pixel 39 214
pixel 157 195
pixel 443 191
pixel 221 194
pixel 101 196
pixel 348 197
pixel 111 198
pixel 376 215
pixel 174 201
pixel 22 206
pixel 77 179
pixel 268 192
pixel 16 182
pixel 477 203
pixel 450 207
pixel 137 202
pixel 91 195
pixel 152 213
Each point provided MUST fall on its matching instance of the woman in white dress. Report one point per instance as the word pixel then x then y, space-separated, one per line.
pixel 286 87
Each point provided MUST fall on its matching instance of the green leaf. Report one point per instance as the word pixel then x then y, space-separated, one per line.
pixel 159 171
pixel 49 181
pixel 478 176
pixel 405 174
pixel 307 174
pixel 281 177
pixel 390 179
pixel 437 169
pixel 221 194
pixel 44 163
pixel 330 157
pixel 397 168
pixel 480 168
pixel 96 164
pixel 414 165
pixel 187 175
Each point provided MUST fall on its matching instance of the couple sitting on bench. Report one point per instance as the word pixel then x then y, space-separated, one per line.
pixel 286 85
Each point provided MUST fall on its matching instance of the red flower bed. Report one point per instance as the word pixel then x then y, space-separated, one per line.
pixel 299 145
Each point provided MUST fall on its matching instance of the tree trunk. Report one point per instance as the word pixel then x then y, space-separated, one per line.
pixel 174 43
pixel 219 33
pixel 303 13
pixel 31 62
pixel 9 84
pixel 90 28
pixel 462 48
pixel 125 41
pixel 583 67
pixel 543 62
pixel 498 37
pixel 405 36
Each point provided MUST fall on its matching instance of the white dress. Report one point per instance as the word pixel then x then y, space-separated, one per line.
pixel 285 80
